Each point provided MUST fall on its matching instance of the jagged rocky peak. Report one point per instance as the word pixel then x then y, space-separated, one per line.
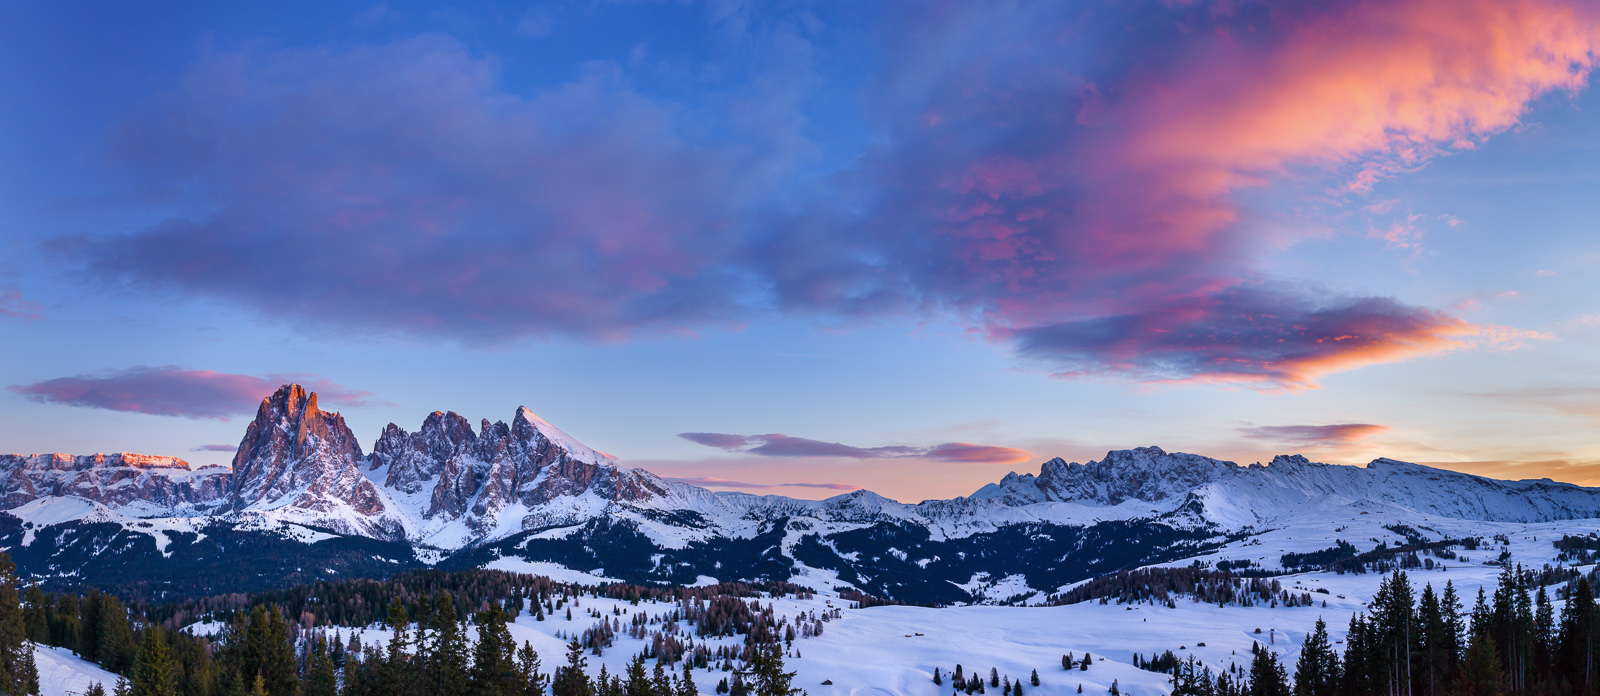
pixel 414 459
pixel 1150 474
pixel 118 479
pixel 297 455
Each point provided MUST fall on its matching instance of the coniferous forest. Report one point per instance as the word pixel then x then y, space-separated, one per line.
pixel 444 633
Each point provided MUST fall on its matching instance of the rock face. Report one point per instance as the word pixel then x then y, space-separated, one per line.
pixel 1238 495
pixel 122 479
pixel 299 457
pixel 1144 473
pixel 453 474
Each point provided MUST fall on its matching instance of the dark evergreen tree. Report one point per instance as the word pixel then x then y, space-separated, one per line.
pixel 154 673
pixel 1317 672
pixel 637 681
pixel 395 674
pixel 686 685
pixel 570 679
pixel 447 653
pixel 18 674
pixel 1575 641
pixel 1436 654
pixel 494 663
pixel 766 671
pixel 1267 677
pixel 529 666
pixel 1481 670
pixel 320 677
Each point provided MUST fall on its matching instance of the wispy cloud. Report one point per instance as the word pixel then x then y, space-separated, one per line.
pixel 779 445
pixel 1337 434
pixel 174 391
pixel 215 448
pixel 13 306
pixel 713 482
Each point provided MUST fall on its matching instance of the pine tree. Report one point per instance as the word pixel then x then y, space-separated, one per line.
pixel 686 686
pixel 18 674
pixel 1481 671
pixel 994 676
pixel 1575 642
pixel 279 668
pixel 570 679
pixel 114 636
pixel 528 666
pixel 1317 672
pixel 154 674
pixel 1267 677
pixel 1084 663
pixel 766 669
pixel 638 683
pixel 660 680
pixel 1393 628
pixel 1034 679
pixel 494 665
pixel 95 689
pixel 447 654
pixel 1432 626
pixel 320 677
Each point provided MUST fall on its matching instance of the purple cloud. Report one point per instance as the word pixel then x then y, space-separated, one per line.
pixel 713 482
pixel 215 448
pixel 1065 178
pixel 1331 435
pixel 173 391
pixel 977 454
pixel 778 445
pixel 12 306
pixel 1243 335
pixel 717 440
pixel 398 188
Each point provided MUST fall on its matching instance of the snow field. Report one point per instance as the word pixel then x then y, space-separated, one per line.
pixel 62 673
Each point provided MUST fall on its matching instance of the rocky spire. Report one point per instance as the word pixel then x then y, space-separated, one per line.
pixel 297 455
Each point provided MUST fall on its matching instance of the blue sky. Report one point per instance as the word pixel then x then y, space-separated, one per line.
pixel 1028 230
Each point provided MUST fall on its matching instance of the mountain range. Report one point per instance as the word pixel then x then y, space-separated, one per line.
pixel 302 501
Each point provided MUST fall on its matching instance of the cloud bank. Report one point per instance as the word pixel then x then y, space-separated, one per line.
pixel 1062 178
pixel 713 482
pixel 779 445
pixel 173 391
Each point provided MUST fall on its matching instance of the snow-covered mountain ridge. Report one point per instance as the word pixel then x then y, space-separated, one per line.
pixel 453 494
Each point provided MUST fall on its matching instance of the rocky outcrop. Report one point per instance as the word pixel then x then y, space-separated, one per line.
pixel 1149 474
pixel 297 457
pixel 474 477
pixel 120 479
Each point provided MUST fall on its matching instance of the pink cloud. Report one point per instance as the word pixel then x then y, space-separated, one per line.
pixel 173 391
pixel 713 482
pixel 1064 178
pixel 978 454
pixel 215 448
pixel 778 445
pixel 1054 197
pixel 1328 435
pixel 12 306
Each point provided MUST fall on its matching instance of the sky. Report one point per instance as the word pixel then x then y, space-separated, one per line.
pixel 805 247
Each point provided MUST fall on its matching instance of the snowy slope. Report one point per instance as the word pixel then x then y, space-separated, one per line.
pixel 62 673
